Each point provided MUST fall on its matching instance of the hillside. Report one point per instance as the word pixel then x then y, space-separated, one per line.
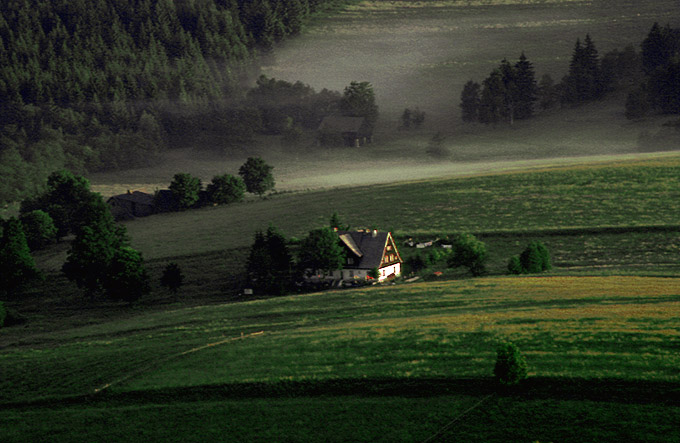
pixel 397 362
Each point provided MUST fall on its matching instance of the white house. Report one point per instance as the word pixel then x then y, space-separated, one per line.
pixel 367 250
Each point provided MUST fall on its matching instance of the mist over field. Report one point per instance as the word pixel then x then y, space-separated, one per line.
pixel 420 54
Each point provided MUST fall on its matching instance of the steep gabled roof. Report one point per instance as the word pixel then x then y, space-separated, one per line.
pixel 368 246
pixel 135 197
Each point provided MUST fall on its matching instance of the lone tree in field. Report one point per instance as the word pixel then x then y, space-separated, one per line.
pixel 321 251
pixel 225 189
pixel 126 277
pixel 172 277
pixel 511 367
pixel 468 252
pixel 17 267
pixel 185 189
pixel 257 175
pixel 534 259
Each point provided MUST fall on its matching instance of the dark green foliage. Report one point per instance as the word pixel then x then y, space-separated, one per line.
pixel 374 273
pixel 468 252
pixel 3 314
pixel 65 200
pixel 358 100
pixel 91 254
pixel 17 268
pixel 98 85
pixel 257 175
pixel 39 229
pixel 270 264
pixel 283 105
pixel 470 101
pixel 415 263
pixel 185 188
pixel 515 266
pixel 126 276
pixel 225 189
pixel 172 277
pixel 659 47
pixel 321 251
pixel 525 89
pixel 584 81
pixel 534 259
pixel 510 367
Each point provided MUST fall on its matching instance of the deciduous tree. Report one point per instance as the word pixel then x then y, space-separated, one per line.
pixel 468 252
pixel 185 188
pixel 257 175
pixel 225 189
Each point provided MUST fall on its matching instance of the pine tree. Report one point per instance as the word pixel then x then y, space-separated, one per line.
pixel 492 101
pixel 17 268
pixel 525 82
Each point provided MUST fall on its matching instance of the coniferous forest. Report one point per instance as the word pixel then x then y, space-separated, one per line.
pixel 104 84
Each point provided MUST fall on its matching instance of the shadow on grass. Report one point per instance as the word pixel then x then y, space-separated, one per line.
pixel 604 390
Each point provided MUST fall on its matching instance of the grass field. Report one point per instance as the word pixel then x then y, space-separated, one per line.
pixel 344 365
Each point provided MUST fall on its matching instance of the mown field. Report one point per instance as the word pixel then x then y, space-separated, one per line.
pixel 377 364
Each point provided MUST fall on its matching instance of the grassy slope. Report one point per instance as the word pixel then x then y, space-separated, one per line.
pixel 386 342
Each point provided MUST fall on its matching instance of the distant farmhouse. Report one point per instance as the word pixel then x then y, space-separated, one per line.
pixel 134 204
pixel 367 250
pixel 353 131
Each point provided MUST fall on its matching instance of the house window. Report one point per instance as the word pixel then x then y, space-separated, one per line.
pixel 389 247
pixel 350 261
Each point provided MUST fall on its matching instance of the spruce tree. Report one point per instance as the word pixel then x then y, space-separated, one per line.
pixel 17 268
pixel 525 82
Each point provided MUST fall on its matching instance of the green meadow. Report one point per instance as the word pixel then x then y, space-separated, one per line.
pixel 387 363
pixel 377 364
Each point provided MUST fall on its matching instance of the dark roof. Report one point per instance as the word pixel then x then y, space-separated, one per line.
pixel 368 246
pixel 342 124
pixel 138 197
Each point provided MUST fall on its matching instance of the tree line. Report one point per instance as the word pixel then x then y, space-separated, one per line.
pixel 659 89
pixel 103 84
pixel 511 91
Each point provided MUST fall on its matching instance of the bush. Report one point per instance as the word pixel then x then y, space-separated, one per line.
pixel 468 252
pixel 511 367
pixel 172 277
pixel 535 258
pixel 514 266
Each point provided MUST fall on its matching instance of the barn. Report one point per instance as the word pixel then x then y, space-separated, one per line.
pixel 351 131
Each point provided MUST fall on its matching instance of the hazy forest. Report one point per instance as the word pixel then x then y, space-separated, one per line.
pixel 110 84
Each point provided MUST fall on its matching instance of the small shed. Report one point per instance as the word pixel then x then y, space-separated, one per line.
pixel 131 204
pixel 353 131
